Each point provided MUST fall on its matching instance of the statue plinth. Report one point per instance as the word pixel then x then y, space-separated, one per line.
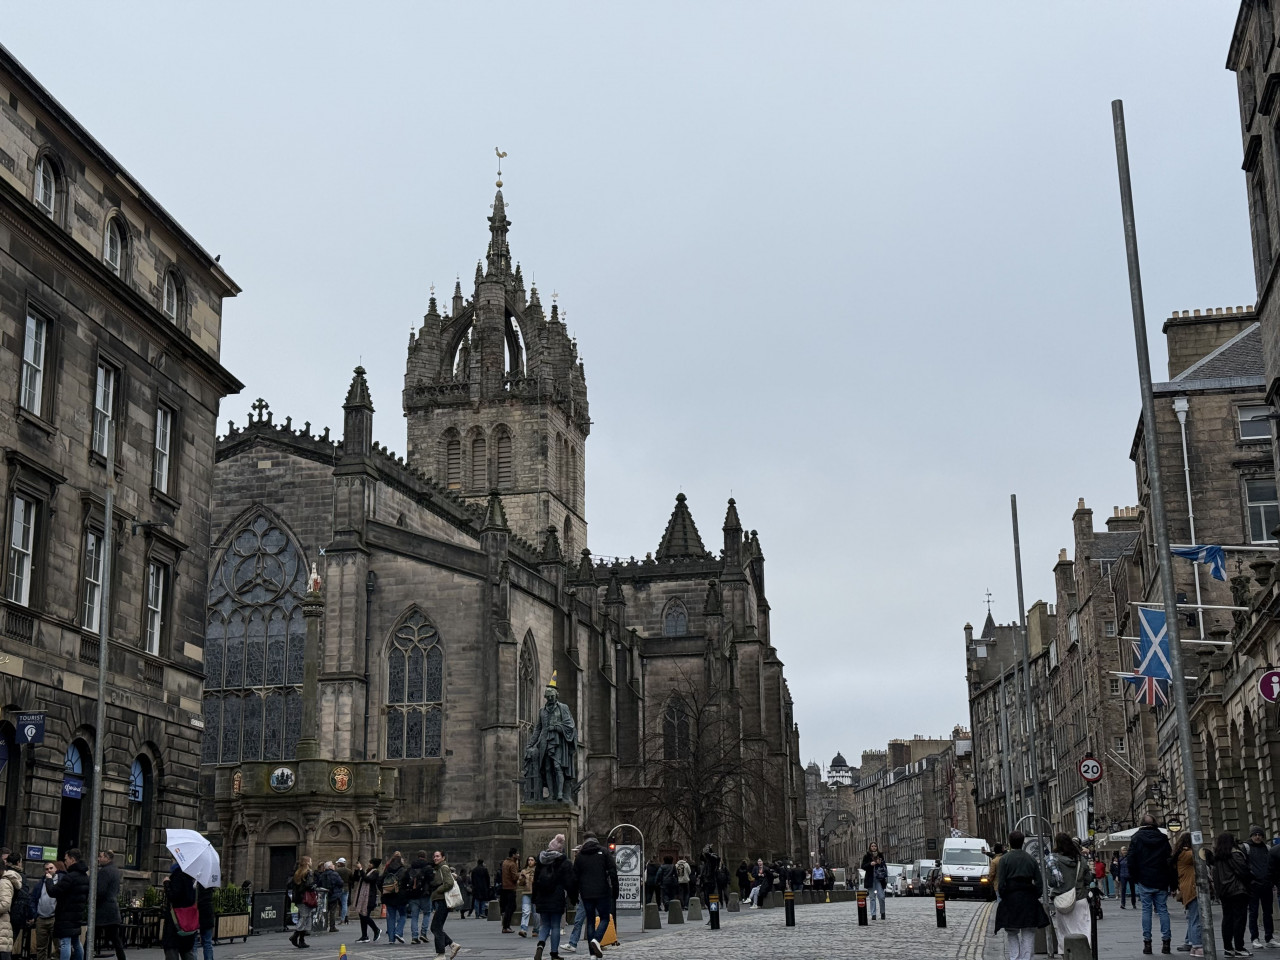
pixel 539 822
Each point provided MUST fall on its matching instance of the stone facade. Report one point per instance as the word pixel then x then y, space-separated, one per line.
pixel 110 326
pixel 450 601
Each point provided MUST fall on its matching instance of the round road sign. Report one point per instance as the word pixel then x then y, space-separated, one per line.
pixel 1269 686
pixel 1091 769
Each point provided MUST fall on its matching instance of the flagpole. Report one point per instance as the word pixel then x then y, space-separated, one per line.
pixel 1160 529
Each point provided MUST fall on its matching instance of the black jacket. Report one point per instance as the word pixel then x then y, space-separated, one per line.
pixel 204 900
pixel 331 881
pixel 869 868
pixel 1019 884
pixel 596 873
pixel 420 879
pixel 108 895
pixel 1151 859
pixel 72 893
pixel 1273 864
pixel 179 891
pixel 1231 875
pixel 395 870
pixel 1259 857
pixel 554 882
pixel 481 883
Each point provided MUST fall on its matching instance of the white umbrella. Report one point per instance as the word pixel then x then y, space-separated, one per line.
pixel 196 856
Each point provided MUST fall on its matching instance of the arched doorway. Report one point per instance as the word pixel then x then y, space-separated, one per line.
pixel 73 817
pixel 141 803
pixel 281 840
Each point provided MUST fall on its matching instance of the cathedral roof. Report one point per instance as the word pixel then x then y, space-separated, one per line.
pixel 681 537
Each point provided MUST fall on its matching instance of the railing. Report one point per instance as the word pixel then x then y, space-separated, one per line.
pixel 152 673
pixel 18 626
pixel 89 649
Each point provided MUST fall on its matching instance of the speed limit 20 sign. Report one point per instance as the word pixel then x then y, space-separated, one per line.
pixel 1091 769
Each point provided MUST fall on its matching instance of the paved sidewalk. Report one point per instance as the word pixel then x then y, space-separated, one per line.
pixel 1120 933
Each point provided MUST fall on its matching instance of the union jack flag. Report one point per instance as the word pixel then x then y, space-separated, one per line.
pixel 1152 673
pixel 1150 690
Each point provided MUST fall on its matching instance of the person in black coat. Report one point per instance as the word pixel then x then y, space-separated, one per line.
pixel 108 902
pixel 597 878
pixel 1020 912
pixel 1151 868
pixel 744 881
pixel 554 882
pixel 204 901
pixel 179 893
pixel 71 891
pixel 481 889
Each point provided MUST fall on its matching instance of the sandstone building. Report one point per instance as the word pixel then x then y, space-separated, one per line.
pixel 110 331
pixel 457 583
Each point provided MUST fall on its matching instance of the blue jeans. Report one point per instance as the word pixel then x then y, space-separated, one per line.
pixel 421 907
pixel 526 910
pixel 549 928
pixel 1160 898
pixel 1194 932
pixel 69 948
pixel 346 894
pixel 874 892
pixel 597 911
pixel 579 920
pixel 206 943
pixel 395 922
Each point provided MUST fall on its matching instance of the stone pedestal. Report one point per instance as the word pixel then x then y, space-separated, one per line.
pixel 735 905
pixel 695 908
pixel 539 822
pixel 494 912
pixel 652 916
pixel 675 913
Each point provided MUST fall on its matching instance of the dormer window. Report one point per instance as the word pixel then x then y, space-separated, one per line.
pixel 46 185
pixel 113 247
pixel 171 297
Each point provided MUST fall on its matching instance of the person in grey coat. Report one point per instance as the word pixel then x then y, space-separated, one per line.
pixel 108 903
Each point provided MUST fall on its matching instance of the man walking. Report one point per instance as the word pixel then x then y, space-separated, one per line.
pixel 108 902
pixel 1257 852
pixel 419 881
pixel 71 891
pixel 597 878
pixel 481 889
pixel 1019 912
pixel 46 942
pixel 507 896
pixel 1149 868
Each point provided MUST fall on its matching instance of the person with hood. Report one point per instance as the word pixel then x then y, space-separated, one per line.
pixel 1184 864
pixel 668 884
pixel 182 921
pixel 553 884
pixel 1149 868
pixel 1070 876
pixel 419 882
pixel 444 882
pixel 1233 881
pixel 596 876
pixel 507 893
pixel 10 884
pixel 1257 851
pixel 524 891
pixel 304 897
pixel 107 919
pixel 1019 912
pixel 875 874
pixel 395 894
pixel 71 892
pixel 367 881
pixel 481 889
pixel 684 878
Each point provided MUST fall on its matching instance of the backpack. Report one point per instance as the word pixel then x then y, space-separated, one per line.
pixel 390 885
pixel 420 880
pixel 21 914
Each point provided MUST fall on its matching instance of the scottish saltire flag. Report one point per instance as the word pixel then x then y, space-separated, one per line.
pixel 1211 556
pixel 1149 690
pixel 1153 645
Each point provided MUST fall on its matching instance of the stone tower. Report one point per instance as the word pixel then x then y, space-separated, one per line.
pixel 496 399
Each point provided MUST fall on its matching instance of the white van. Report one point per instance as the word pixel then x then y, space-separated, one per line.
pixel 966 870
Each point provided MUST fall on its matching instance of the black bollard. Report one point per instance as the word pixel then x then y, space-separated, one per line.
pixel 862 908
pixel 789 903
pixel 713 910
pixel 940 901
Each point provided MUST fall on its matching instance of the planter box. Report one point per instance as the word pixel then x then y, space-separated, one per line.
pixel 229 926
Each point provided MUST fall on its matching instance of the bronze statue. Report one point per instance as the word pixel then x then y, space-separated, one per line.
pixel 551 760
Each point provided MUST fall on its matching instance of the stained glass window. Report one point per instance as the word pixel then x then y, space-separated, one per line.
pixel 415 680
pixel 254 646
pixel 675 620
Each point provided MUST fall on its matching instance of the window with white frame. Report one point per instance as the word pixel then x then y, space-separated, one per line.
pixel 17 587
pixel 1119 744
pixel 157 577
pixel 91 618
pixel 1254 424
pixel 113 246
pixel 33 360
pixel 1264 510
pixel 1114 686
pixel 170 297
pixel 164 431
pixel 46 185
pixel 1108 628
pixel 103 404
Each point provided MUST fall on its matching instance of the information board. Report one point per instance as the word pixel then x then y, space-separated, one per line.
pixel 630 861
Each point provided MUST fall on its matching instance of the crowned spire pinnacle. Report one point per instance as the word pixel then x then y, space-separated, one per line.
pixel 681 539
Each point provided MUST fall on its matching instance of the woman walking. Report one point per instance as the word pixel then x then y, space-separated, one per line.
pixel 1070 876
pixel 304 895
pixel 444 882
pixel 875 875
pixel 367 881
pixel 1019 911
pixel 524 891
pixel 1185 863
pixel 1232 878
pixel 395 896
pixel 553 881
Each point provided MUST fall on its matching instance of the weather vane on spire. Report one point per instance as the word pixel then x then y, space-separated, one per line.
pixel 501 155
pixel 988 601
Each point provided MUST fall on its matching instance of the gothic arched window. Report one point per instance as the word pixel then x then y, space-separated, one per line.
pixel 452 461
pixel 675 620
pixel 254 646
pixel 527 688
pixel 415 689
pixel 676 741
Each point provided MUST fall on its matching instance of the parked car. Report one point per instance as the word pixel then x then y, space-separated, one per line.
pixel 896 886
pixel 921 878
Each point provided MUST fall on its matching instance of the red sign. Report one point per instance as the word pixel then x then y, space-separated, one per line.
pixel 1091 769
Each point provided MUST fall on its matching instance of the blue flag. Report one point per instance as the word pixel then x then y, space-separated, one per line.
pixel 1153 645
pixel 1211 556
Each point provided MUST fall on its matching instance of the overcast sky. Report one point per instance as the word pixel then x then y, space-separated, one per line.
pixel 859 265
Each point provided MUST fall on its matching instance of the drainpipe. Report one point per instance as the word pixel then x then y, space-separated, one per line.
pixel 1180 407
pixel 369 582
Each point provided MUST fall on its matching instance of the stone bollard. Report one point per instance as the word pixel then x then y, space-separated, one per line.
pixel 652 917
pixel 695 909
pixel 1076 947
pixel 494 912
pixel 675 914
pixel 735 905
